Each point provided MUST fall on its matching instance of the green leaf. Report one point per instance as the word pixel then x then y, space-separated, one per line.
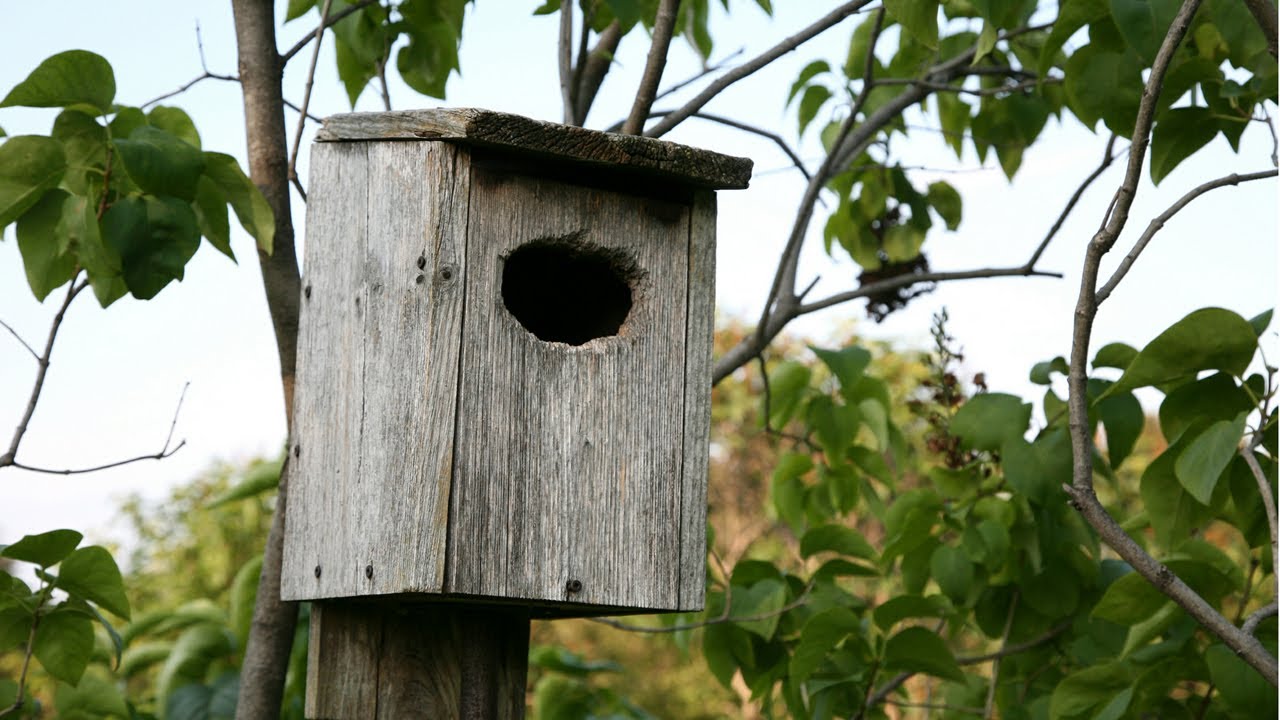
pixel 74 77
pixel 762 598
pixel 953 116
pixel 1207 339
pixel 176 122
pixel 195 650
pixel 155 238
pixel 1084 690
pixel 1214 398
pixel 92 574
pixel 160 163
pixel 1174 512
pixel 916 649
pixel 64 644
pixel 819 636
pixel 1177 135
pixel 918 17
pixel 260 478
pixel 1042 372
pixel 244 593
pixel 847 365
pixel 1104 84
pixel 815 96
pixel 946 201
pixel 211 216
pixel 84 143
pixel 1239 684
pixel 1054 593
pixel 1260 322
pixel 560 660
pixel 986 41
pixel 46 549
pixel 93 698
pixel 141 656
pixel 44 257
pixel 1072 15
pixel 15 627
pixel 1123 419
pixel 835 426
pixel 1203 461
pixel 899 608
pixel 953 571
pixel 246 200
pixel 986 421
pixel 836 538
pixel 298 8
pixel 102 264
pixel 29 166
pixel 1144 23
pixel 810 71
pixel 1114 355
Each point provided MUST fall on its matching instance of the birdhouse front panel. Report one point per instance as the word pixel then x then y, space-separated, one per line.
pixel 504 365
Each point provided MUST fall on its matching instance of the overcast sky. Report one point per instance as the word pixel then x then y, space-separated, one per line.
pixel 117 374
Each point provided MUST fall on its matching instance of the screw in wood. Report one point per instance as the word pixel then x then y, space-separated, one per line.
pixel 420 279
pixel 368 571
pixel 573 586
pixel 317 572
pixel 306 292
pixel 446 274
pixel 422 262
pixel 297 451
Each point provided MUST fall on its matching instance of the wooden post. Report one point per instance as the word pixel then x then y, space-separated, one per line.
pixel 503 399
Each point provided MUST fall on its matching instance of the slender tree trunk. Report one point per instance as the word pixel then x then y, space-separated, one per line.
pixel 266 658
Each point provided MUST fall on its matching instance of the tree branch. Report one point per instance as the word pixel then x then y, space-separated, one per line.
pixel 206 75
pixel 334 19
pixel 1268 502
pixel 73 289
pixel 979 92
pixel 564 58
pixel 1159 221
pixel 1081 488
pixel 22 342
pixel 1107 159
pixel 593 71
pixel 1264 11
pixel 1255 619
pixel 754 130
pixel 791 43
pixel 306 100
pixel 663 25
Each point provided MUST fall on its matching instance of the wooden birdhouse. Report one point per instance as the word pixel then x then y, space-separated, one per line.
pixel 504 365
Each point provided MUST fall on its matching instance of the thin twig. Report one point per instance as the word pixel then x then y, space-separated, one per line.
pixel 162 454
pixel 18 337
pixel 309 116
pixel 663 26
pixel 1107 159
pixel 19 700
pixel 1159 221
pixel 564 58
pixel 206 75
pixel 995 664
pixel 746 127
pixel 1081 490
pixel 325 23
pixel 718 86
pixel 306 100
pixel 1255 618
pixel 934 706
pixel 73 289
pixel 716 67
pixel 977 92
pixel 1264 489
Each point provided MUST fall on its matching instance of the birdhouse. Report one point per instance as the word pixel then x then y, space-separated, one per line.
pixel 504 365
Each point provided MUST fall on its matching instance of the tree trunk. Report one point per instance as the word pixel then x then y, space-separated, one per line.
pixel 266 657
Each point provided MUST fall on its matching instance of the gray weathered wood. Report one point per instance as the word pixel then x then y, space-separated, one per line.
pixel 697 401
pixel 330 390
pixel 379 372
pixel 387 662
pixel 568 459
pixel 513 133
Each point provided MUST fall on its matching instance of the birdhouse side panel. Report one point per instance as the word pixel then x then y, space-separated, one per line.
pixel 569 457
pixel 413 325
pixel 325 464
pixel 697 401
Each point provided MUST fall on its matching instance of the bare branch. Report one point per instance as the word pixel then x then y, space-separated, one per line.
pixel 1107 159
pixel 745 127
pixel 298 110
pixel 663 25
pixel 791 43
pixel 699 75
pixel 306 100
pixel 1264 489
pixel 995 662
pixel 564 58
pixel 1159 221
pixel 593 71
pixel 579 65
pixel 332 20
pixel 1081 489
pixel 206 75
pixel 1264 11
pixel 1255 618
pixel 894 283
pixel 73 289
pixel 977 92
pixel 18 337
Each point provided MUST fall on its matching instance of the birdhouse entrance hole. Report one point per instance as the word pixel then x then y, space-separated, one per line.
pixel 564 291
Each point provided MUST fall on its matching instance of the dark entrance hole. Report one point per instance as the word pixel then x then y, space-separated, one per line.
pixel 567 292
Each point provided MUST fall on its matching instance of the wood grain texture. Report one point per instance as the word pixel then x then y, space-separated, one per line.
pixel 517 134
pixel 697 401
pixel 380 370
pixel 393 661
pixel 568 459
pixel 327 407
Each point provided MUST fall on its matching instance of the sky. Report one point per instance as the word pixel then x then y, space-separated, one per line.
pixel 117 375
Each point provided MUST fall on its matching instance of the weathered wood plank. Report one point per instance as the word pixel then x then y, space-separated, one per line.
pixel 484 128
pixel 568 459
pixel 385 661
pixel 413 265
pixel 318 560
pixel 697 401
